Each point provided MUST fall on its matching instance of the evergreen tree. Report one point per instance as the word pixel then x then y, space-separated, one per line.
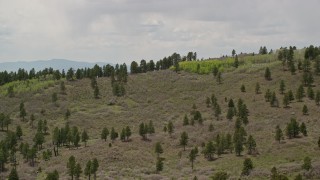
pixel 158 149
pixel 53 175
pixel 305 110
pixel 62 87
pixel 279 134
pixel 19 131
pixel 96 92
pixel 123 134
pixel 300 93
pixel 307 163
pixel 10 91
pixel 282 87
pixel 128 133
pixel 243 88
pixel 233 53
pixel 292 68
pixel 310 93
pixel 84 137
pixel 77 171
pixel 104 134
pixel 170 128
pixel 303 129
pixel 267 74
pixel 274 100
pixel 293 129
pixel 220 176
pixel 185 120
pixel 94 168
pixel 257 89
pixel 13 174
pixel 209 150
pixel 217 112
pixel 317 99
pixel 251 145
pixel 23 112
pixel 71 165
pixel 113 134
pixel 236 62
pixel 291 96
pixel 230 113
pixel 184 140
pixel 151 128
pixel 286 100
pixel 192 157
pixel 87 170
pixel 159 165
pixel 247 166
pixel 142 131
pixel 267 96
pixel 219 78
pixel 215 71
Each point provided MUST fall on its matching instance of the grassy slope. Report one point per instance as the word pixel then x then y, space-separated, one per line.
pixel 163 96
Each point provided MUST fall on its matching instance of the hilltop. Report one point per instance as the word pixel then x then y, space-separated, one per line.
pixel 167 96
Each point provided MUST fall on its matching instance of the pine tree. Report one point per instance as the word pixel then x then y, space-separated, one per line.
pixel 84 137
pixel 282 87
pixel 94 168
pixel 310 93
pixel 303 129
pixel 215 71
pixel 184 140
pixel 274 100
pixel 292 68
pixel 159 165
pixel 185 120
pixel 219 78
pixel 230 113
pixel 13 174
pixel 317 99
pixel 19 131
pixel 62 87
pixel 236 62
pixel 128 133
pixel 23 112
pixel 243 88
pixel 87 170
pixel 209 150
pixel 113 134
pixel 142 131
pixel 251 145
pixel 192 157
pixel 286 100
pixel 300 93
pixel 217 112
pixel 257 89
pixel 158 149
pixel 293 129
pixel 71 165
pixel 123 134
pixel 247 166
pixel 170 128
pixel 77 171
pixel 96 92
pixel 307 163
pixel 267 96
pixel 151 128
pixel 291 96
pixel 279 134
pixel 267 74
pixel 305 110
pixel 104 134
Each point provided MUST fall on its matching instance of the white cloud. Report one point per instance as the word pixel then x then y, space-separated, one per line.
pixel 126 30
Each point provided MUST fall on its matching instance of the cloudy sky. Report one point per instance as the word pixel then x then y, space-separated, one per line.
pixel 127 30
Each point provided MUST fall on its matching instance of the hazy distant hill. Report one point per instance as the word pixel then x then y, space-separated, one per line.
pixel 54 63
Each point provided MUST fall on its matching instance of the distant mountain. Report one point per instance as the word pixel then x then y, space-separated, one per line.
pixel 54 63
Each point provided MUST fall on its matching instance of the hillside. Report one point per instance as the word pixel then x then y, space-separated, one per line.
pixel 163 96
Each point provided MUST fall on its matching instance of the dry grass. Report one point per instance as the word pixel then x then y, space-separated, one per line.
pixel 160 97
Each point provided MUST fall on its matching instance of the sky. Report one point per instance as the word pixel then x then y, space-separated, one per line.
pixel 117 31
